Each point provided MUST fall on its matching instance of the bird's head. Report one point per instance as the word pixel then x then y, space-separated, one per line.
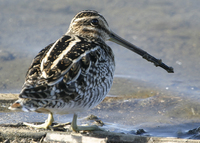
pixel 89 24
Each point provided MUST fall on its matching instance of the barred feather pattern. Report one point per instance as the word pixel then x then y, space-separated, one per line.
pixel 70 75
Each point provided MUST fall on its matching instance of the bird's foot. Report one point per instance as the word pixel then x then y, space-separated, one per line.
pixel 41 126
pixel 76 128
pixel 45 125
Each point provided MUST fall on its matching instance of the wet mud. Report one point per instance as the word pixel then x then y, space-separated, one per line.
pixel 144 111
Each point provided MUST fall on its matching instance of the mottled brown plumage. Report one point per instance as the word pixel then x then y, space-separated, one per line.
pixel 74 73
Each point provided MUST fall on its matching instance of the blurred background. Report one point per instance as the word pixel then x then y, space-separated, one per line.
pixel 142 96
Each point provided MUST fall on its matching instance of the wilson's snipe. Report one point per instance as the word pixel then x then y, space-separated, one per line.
pixel 76 72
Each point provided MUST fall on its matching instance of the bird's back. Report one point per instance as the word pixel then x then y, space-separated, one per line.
pixel 68 76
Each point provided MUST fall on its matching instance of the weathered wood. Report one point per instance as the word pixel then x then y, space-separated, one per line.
pixel 108 137
pixel 13 132
pixel 73 138
pixel 17 131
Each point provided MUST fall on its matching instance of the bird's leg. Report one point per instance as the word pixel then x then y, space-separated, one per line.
pixel 46 125
pixel 82 128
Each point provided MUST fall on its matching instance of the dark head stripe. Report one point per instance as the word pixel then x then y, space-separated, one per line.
pixel 88 13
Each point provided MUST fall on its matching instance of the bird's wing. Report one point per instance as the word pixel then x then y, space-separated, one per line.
pixel 62 63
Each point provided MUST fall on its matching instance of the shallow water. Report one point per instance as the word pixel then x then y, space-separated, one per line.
pixel 162 104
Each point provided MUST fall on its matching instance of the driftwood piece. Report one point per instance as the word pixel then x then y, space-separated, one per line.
pixel 12 132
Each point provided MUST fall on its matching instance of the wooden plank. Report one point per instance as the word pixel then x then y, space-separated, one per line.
pixel 17 131
pixel 108 137
pixel 72 138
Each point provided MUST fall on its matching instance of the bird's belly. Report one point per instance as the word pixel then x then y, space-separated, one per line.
pixel 90 90
pixel 86 99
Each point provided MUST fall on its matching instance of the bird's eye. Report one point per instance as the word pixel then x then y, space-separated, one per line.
pixel 94 22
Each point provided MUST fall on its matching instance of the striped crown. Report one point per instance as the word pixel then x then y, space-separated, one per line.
pixel 89 24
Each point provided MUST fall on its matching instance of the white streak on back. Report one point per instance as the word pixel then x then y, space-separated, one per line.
pixel 47 55
pixel 69 47
pixel 76 60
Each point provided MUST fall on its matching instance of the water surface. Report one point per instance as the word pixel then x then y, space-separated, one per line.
pixel 162 104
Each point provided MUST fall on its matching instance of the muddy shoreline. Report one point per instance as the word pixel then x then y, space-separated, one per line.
pixel 19 133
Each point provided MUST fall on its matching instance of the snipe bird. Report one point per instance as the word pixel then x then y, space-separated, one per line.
pixel 74 73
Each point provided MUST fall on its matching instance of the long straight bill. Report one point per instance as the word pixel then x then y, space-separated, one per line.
pixel 157 62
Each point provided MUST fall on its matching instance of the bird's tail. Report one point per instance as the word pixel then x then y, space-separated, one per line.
pixel 18 105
